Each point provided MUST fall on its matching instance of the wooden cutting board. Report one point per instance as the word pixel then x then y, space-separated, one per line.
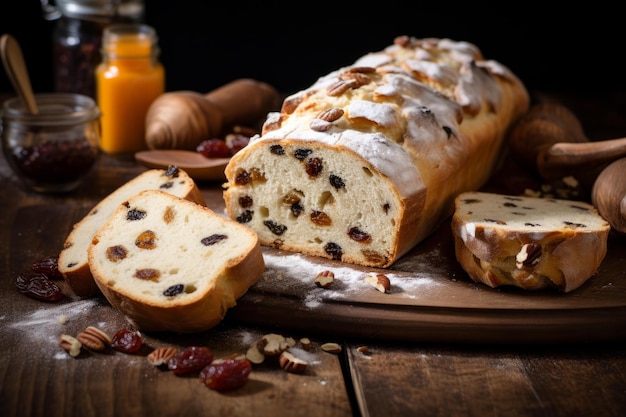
pixel 431 298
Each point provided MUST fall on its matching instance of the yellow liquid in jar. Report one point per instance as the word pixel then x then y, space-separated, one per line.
pixel 127 84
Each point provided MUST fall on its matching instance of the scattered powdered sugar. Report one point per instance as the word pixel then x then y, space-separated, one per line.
pixel 297 270
pixel 47 323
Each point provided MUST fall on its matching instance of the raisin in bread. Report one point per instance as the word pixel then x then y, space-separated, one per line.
pixel 365 163
pixel 528 242
pixel 170 264
pixel 73 262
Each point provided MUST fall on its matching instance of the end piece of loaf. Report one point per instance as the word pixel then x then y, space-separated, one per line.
pixel 365 163
pixel 73 262
pixel 527 242
pixel 172 265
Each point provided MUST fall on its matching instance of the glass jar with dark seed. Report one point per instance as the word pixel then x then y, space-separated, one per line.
pixel 54 149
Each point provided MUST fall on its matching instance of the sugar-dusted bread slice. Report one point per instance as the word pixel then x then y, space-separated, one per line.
pixel 527 242
pixel 73 262
pixel 172 265
pixel 365 163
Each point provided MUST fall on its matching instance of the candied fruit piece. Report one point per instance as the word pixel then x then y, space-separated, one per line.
pixel 213 239
pixel 190 359
pixel 39 286
pixel 313 167
pixel 245 217
pixel 277 229
pixel 336 181
pixel 146 240
pixel 127 341
pixel 245 201
pixel 134 214
pixel 227 373
pixel 301 153
pixel 359 235
pixel 320 218
pixel 214 148
pixel 277 150
pixel 148 274
pixel 116 253
pixel 334 250
pixel 174 290
pixel 49 266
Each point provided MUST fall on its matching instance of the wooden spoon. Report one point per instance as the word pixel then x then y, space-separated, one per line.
pixel 609 194
pixel 194 163
pixel 550 141
pixel 15 67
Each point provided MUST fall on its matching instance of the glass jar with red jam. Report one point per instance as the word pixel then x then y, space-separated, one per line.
pixel 53 150
pixel 77 38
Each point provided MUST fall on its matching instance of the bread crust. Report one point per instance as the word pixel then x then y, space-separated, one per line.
pixel 427 117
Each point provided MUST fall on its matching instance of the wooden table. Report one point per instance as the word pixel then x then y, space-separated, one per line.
pixel 392 377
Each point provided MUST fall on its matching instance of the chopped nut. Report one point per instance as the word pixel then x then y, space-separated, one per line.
pixel 70 344
pixel 272 344
pixel 325 279
pixel 379 281
pixel 291 363
pixel 306 343
pixel 254 355
pixel 331 347
pixel 362 349
pixel 528 256
pixel 161 356
pixel 94 339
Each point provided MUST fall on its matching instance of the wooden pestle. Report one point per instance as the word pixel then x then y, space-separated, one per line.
pixel 183 119
pixel 549 141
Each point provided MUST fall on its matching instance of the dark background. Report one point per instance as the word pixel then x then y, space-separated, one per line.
pixel 205 44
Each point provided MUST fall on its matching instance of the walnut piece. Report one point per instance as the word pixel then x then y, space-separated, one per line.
pixel 379 281
pixel 325 279
pixel 331 347
pixel 272 344
pixel 161 356
pixel 291 363
pixel 94 339
pixel 70 344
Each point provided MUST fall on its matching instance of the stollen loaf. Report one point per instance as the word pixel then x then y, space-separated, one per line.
pixel 528 242
pixel 171 265
pixel 73 263
pixel 366 162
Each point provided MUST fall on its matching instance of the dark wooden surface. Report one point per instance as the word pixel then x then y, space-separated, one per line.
pixel 447 377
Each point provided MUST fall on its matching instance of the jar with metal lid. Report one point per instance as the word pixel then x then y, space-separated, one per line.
pixel 128 80
pixel 77 38
pixel 54 149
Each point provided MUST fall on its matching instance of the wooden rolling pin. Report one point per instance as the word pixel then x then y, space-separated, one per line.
pixel 550 141
pixel 183 119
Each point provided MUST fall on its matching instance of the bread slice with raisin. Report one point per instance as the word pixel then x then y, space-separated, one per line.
pixel 73 263
pixel 366 162
pixel 528 242
pixel 171 265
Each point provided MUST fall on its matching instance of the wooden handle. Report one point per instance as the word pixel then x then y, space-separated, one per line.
pixel 562 159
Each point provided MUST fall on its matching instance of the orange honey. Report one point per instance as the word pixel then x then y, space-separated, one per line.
pixel 128 80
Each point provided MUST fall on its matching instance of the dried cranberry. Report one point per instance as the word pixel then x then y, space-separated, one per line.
pixel 214 148
pixel 39 286
pixel 191 359
pixel 226 374
pixel 127 341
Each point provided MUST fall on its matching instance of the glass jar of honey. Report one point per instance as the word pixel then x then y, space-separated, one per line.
pixel 129 78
